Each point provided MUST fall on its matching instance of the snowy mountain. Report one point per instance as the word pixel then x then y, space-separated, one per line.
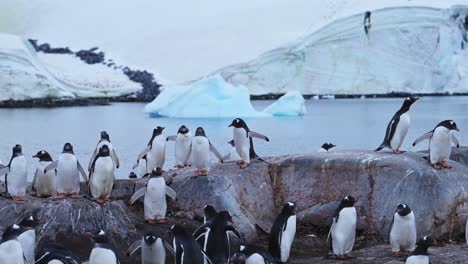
pixel 407 49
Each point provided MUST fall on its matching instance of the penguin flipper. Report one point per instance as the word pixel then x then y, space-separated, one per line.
pixel 82 172
pixel 3 170
pixel 137 195
pixel 206 256
pixel 258 135
pixel 168 247
pixel 216 152
pixel 33 185
pixel 189 152
pixel 51 166
pixel 171 138
pixel 134 247
pixel 391 226
pixel 143 153
pixel 391 128
pixel 455 141
pixel 231 229
pixel 115 158
pixel 171 193
pixel 428 135
pixel 200 231
pixel 91 161
pixel 226 157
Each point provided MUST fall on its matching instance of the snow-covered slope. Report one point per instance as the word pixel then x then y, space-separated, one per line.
pixel 26 75
pixel 411 49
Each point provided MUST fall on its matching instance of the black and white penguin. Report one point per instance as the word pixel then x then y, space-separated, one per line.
pixel 16 174
pixel 398 127
pixel 68 172
pixel 103 250
pixel 440 143
pixel 183 139
pixel 101 175
pixel 11 251
pixel 200 152
pixel 326 147
pixel 155 151
pixel 153 249
pixel 420 254
pixel 232 155
pixel 27 238
pixel 186 249
pixel 217 245
pixel 209 213
pixel 343 229
pixel 243 141
pixel 403 230
pixel 256 255
pixel 105 140
pixel 155 191
pixel 56 254
pixel 44 184
pixel 282 233
pixel 239 258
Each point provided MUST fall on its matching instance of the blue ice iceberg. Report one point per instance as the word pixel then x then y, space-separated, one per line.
pixel 290 104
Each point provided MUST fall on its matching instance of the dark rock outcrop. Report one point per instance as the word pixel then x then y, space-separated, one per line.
pixel 91 56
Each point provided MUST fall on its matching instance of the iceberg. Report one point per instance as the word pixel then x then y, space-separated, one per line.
pixel 290 104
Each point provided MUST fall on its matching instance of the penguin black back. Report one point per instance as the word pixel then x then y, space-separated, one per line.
pixel 51 252
pixel 12 232
pixel 327 146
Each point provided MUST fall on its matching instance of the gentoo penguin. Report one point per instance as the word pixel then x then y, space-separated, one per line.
pixel 56 254
pixel 16 174
pixel 186 249
pixel 343 229
pixel 68 172
pixel 239 258
pixel 217 245
pixel 243 141
pixel 152 249
pixel 403 230
pixel 420 254
pixel 183 139
pixel 11 251
pixel 256 255
pixel 440 143
pixel 200 152
pixel 27 238
pixel 155 151
pixel 326 147
pixel 44 184
pixel 101 175
pixel 209 213
pixel 398 127
pixel 232 155
pixel 282 233
pixel 103 250
pixel 155 192
pixel 105 140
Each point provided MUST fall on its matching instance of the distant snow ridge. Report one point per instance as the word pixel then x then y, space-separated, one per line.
pixel 407 50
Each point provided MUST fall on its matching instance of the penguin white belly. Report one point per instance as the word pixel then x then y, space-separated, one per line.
pixel 200 153
pixel 466 231
pixel 155 199
pixel 102 179
pixel 403 233
pixel 55 262
pixel 45 182
pixel 242 144
pixel 101 256
pixel 157 155
pixel 182 147
pixel 154 254
pixel 68 179
pixel 27 240
pixel 417 260
pixel 255 259
pixel 11 252
pixel 233 155
pixel 18 176
pixel 287 238
pixel 439 146
pixel 400 132
pixel 344 231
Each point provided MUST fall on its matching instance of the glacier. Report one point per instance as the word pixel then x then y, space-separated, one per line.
pixel 25 74
pixel 418 50
pixel 290 104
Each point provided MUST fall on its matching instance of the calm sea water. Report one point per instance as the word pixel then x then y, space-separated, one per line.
pixel 349 123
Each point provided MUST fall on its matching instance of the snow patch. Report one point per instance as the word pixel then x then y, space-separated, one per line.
pixel 290 104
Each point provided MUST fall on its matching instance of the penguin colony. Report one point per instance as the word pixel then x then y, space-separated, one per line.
pixel 210 243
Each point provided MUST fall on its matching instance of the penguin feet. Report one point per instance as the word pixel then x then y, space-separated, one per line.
pixel 348 256
pixel 341 257
pixel 196 173
pixel 61 196
pixel 151 222
pixel 244 165
pixel 18 198
pixel 436 166
pixel 397 254
pixel 101 201
pixel 204 173
pixel 162 221
pixel 74 195
pixel 446 165
pixel 398 151
pixel 180 166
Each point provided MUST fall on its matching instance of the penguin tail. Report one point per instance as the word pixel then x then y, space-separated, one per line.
pixel 383 145
pixel 378 149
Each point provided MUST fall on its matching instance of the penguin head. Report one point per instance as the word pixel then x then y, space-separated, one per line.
pixel 43 156
pixel 30 222
pixel 17 150
pixel 104 136
pixel 156 172
pixel 328 146
pixel 183 130
pixel 100 237
pixel 150 238
pixel 178 230
pixel 348 201
pixel 231 142
pixel 225 216
pixel 158 130
pixel 289 208
pixel 67 148
pixel 104 151
pixel 449 124
pixel 12 232
pixel 238 258
pixel 200 132
pixel 238 123
pixel 210 212
pixel 425 242
pixel 403 209
pixel 408 102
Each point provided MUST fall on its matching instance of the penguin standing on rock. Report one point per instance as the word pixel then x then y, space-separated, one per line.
pixel 440 143
pixel 183 139
pixel 282 233
pixel 186 249
pixel 27 238
pixel 200 152
pixel 16 174
pixel 103 251
pixel 68 172
pixel 101 175
pixel 44 184
pixel 11 251
pixel 152 249
pixel 420 254
pixel 105 140
pixel 343 229
pixel 398 127
pixel 243 141
pixel 403 230
pixel 155 151
pixel 326 147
